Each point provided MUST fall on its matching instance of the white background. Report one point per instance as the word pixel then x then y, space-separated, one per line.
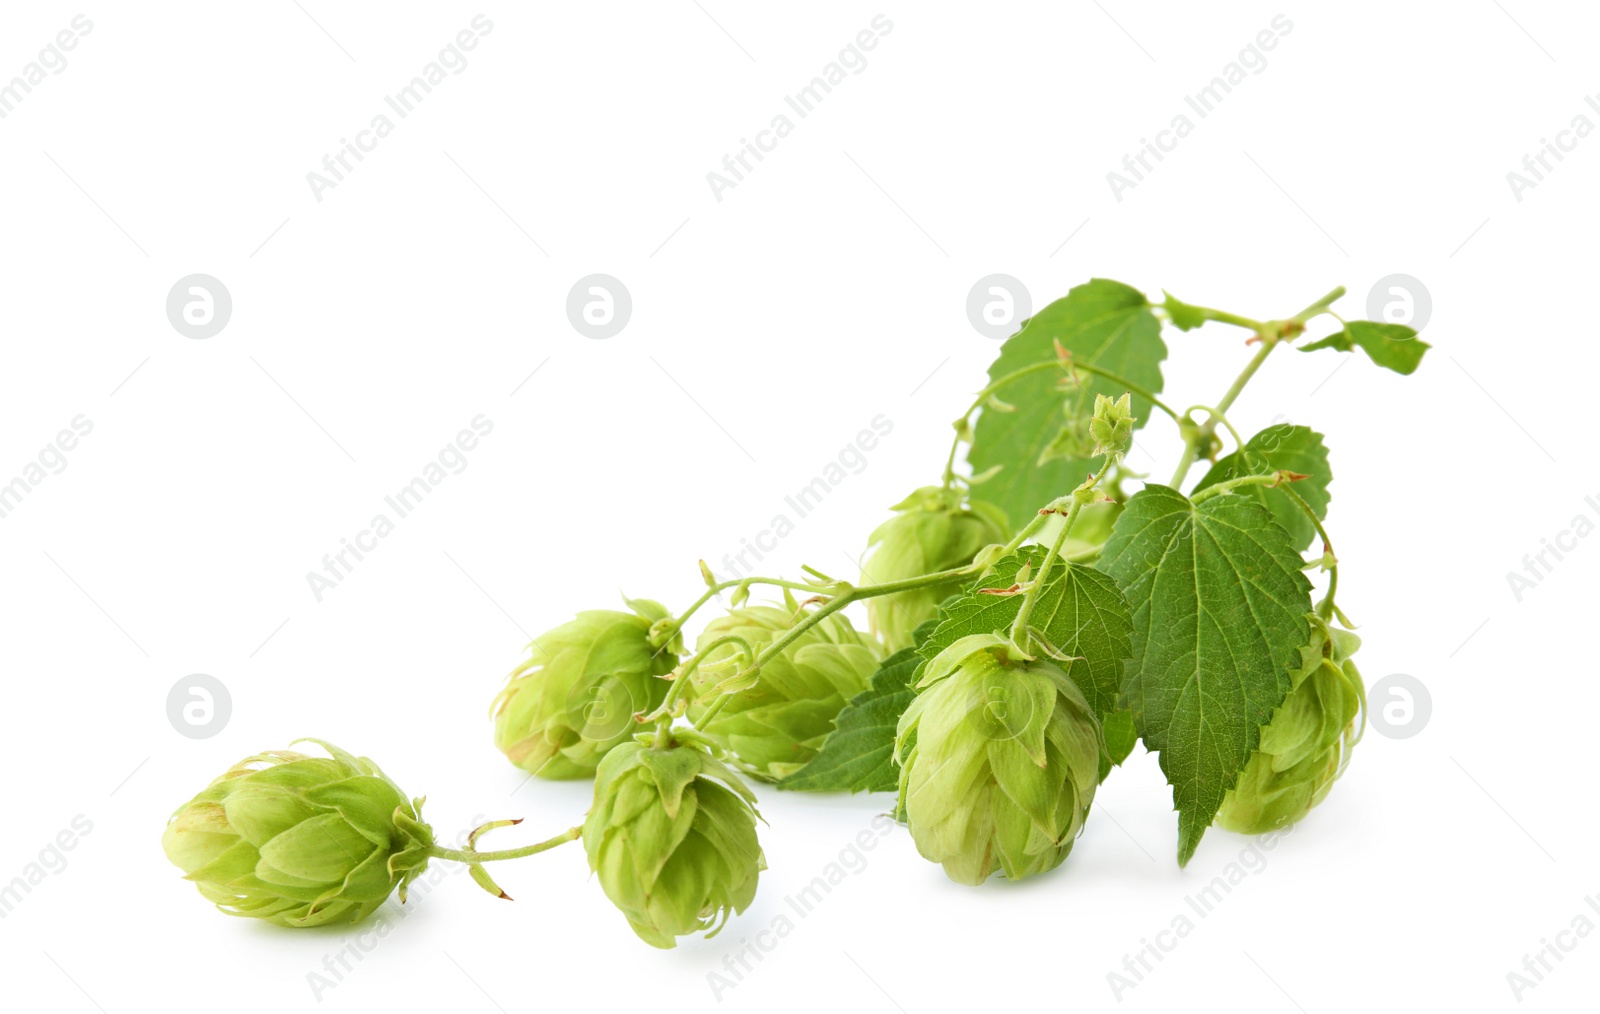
pixel 768 328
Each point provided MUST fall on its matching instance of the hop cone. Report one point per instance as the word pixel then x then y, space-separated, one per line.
pixel 298 840
pixel 774 723
pixel 672 837
pixel 575 696
pixel 1307 744
pixel 933 530
pixel 999 760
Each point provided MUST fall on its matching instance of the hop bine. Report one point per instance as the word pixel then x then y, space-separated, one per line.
pixel 672 836
pixel 934 529
pixel 299 840
pixel 575 696
pixel 999 759
pixel 1306 746
pixel 773 721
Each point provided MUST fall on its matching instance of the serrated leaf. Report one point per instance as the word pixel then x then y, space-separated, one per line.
pixel 1079 611
pixel 858 754
pixel 1101 323
pixel 1183 316
pixel 1219 606
pixel 1393 346
pixel 1283 447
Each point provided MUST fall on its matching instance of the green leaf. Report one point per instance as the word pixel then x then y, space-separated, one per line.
pixel 1219 617
pixel 1079 611
pixel 1121 735
pixel 1183 316
pixel 1393 346
pixel 1102 323
pixel 1293 448
pixel 858 754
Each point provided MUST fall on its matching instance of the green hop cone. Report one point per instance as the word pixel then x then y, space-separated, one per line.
pixel 1306 746
pixel 672 837
pixel 775 722
pixel 299 840
pixel 1111 426
pixel 934 529
pixel 575 696
pixel 999 760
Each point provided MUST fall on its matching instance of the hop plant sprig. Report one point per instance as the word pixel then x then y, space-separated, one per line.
pixel 1004 692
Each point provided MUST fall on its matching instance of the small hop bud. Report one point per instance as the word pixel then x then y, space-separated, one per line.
pixel 672 838
pixel 1111 426
pixel 299 840
pixel 575 696
pixel 1306 746
pixel 775 720
pixel 934 529
pixel 999 760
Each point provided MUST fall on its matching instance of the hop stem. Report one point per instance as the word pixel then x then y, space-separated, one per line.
pixel 1021 637
pixel 1269 333
pixel 471 858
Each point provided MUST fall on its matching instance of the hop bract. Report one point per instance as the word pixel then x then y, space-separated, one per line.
pixel 999 760
pixel 672 838
pixel 934 529
pixel 773 723
pixel 575 696
pixel 1307 744
pixel 299 840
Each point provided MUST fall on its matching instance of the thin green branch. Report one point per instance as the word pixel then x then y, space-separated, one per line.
pixel 473 858
pixel 1021 636
pixel 1269 333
